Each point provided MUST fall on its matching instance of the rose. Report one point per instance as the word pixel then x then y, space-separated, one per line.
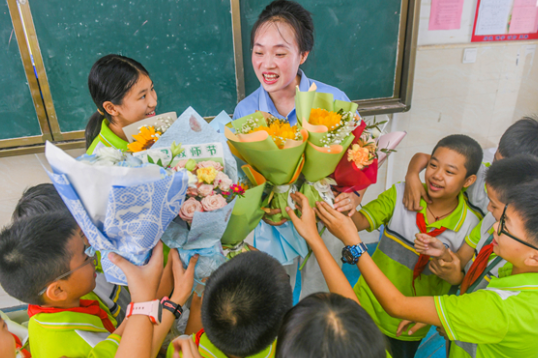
pixel 222 181
pixel 189 207
pixel 213 202
pixel 192 191
pixel 210 163
pixel 359 156
pixel 205 190
pixel 181 164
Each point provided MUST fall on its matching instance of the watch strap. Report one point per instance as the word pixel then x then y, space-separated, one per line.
pixel 173 307
pixel 152 309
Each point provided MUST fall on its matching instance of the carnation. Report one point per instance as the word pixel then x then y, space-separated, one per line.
pixel 210 163
pixel 205 190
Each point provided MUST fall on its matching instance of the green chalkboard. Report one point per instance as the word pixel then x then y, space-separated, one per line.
pixel 355 47
pixel 17 113
pixel 186 45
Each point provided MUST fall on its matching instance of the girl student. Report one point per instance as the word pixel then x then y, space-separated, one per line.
pixel 281 40
pixel 123 94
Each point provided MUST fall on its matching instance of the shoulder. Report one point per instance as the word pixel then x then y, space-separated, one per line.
pixel 325 88
pixel 248 105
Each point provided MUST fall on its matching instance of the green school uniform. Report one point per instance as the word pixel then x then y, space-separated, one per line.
pixel 501 320
pixel 208 349
pixel 106 138
pixel 397 257
pixel 71 334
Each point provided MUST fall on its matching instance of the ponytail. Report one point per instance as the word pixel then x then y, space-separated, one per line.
pixel 93 128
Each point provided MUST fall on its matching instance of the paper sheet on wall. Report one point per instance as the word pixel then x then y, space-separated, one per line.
pixel 524 15
pixel 493 17
pixel 445 15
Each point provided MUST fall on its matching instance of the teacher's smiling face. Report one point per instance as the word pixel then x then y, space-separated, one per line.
pixel 276 57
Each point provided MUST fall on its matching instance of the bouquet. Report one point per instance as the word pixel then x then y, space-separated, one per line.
pixel 273 148
pixel 330 125
pixel 143 134
pixel 121 204
pixel 358 169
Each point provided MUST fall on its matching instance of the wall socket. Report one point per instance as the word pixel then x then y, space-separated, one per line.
pixel 469 55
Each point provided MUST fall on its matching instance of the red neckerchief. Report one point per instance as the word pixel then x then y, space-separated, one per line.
pixel 476 269
pixel 18 346
pixel 198 337
pixel 423 259
pixel 90 307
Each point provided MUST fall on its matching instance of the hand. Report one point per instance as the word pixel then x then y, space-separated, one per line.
pixel 338 224
pixel 347 202
pixel 414 190
pixel 450 271
pixel 186 346
pixel 306 225
pixel 442 332
pixel 273 212
pixel 429 245
pixel 183 279
pixel 405 324
pixel 142 280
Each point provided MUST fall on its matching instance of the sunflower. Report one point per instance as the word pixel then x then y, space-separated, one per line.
pixel 319 116
pixel 144 139
pixel 279 130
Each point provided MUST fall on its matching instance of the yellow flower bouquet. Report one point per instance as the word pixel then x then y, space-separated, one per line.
pixel 275 150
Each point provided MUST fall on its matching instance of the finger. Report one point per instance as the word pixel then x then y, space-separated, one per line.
pixel 178 265
pixel 274 223
pixel 352 212
pixel 157 256
pixel 416 204
pixel 416 327
pixel 192 264
pixel 325 210
pixel 425 196
pixel 303 200
pixel 119 261
pixel 294 219
pixel 402 327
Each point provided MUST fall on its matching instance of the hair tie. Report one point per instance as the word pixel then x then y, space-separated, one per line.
pixel 101 113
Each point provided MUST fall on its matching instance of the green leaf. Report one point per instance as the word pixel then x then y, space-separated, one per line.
pixel 160 163
pixel 150 160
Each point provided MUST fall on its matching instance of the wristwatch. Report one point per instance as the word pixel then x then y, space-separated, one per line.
pixel 152 309
pixel 173 307
pixel 351 254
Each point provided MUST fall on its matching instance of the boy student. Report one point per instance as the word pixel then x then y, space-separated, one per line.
pixel 243 305
pixel 43 263
pixel 44 198
pixel 520 138
pixel 453 166
pixel 501 319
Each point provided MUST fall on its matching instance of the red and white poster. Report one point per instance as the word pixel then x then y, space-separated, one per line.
pixel 505 20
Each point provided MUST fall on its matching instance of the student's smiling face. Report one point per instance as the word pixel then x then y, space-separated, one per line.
pixel 508 248
pixel 446 173
pixel 7 342
pixel 276 56
pixel 139 103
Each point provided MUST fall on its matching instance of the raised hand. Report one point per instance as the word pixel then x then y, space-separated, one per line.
pixel 338 224
pixel 183 279
pixel 450 271
pixel 347 202
pixel 306 224
pixel 406 324
pixel 429 245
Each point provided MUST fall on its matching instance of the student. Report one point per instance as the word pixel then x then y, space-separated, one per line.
pixel 281 40
pixel 43 198
pixel 500 177
pixel 327 325
pixel 243 305
pixel 520 138
pixel 123 93
pixel 10 344
pixel 501 319
pixel 453 166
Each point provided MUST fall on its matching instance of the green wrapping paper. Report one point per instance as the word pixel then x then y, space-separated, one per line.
pixel 321 161
pixel 247 211
pixel 278 166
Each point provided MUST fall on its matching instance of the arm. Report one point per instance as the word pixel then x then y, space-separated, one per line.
pixel 306 226
pixel 421 309
pixel 143 282
pixel 183 281
pixel 414 190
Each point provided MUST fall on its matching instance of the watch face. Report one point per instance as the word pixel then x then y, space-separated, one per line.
pixel 348 256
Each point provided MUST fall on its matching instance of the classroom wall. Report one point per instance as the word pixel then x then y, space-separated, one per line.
pixel 480 99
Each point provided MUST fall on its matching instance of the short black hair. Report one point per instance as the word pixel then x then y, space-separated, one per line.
pixel 510 172
pixel 328 325
pixel 39 199
pixel 466 146
pixel 244 303
pixel 293 14
pixel 33 252
pixel 520 138
pixel 524 198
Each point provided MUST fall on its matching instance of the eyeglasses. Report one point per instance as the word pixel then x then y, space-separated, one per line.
pixel 89 259
pixel 501 231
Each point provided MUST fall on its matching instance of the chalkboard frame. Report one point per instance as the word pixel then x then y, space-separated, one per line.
pixel 400 102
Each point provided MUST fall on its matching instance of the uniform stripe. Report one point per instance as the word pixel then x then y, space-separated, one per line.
pixel 370 218
pixel 443 318
pixel 207 350
pixel 104 141
pixel 70 325
pixel 463 215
